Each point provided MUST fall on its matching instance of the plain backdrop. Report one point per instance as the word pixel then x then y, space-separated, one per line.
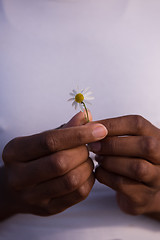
pixel 47 48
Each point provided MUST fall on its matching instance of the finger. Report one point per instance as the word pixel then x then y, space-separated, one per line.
pixel 63 185
pixel 136 204
pixel 137 192
pixel 39 145
pixel 137 169
pixel 78 120
pixel 129 125
pixel 60 204
pixel 49 167
pixel 131 146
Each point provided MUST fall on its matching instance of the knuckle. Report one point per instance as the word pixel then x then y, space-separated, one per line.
pixel 137 200
pixel 142 199
pixel 150 146
pixel 71 182
pixel 59 164
pixel 49 142
pixel 83 192
pixel 140 170
pixel 85 189
pixel 139 122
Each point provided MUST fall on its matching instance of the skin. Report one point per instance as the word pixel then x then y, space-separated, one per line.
pixel 129 163
pixel 48 172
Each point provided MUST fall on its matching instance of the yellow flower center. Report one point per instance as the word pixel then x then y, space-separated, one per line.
pixel 79 98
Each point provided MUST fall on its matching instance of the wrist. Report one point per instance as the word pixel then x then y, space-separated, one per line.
pixel 9 202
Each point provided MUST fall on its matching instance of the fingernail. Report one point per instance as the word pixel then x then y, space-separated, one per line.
pixel 94 147
pixel 99 131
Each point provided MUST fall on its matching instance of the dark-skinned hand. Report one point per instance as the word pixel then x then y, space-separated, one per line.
pixel 48 172
pixel 129 163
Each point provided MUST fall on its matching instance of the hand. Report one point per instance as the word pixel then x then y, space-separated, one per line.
pixel 51 171
pixel 129 162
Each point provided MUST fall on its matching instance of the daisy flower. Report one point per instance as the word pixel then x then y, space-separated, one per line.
pixel 81 98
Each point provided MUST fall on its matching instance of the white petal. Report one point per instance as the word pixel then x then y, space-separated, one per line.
pixel 74 91
pixel 85 101
pixel 72 94
pixel 81 107
pixel 76 104
pixel 83 90
pixel 71 99
pixel 87 93
pixel 86 90
pixel 89 98
pixel 73 103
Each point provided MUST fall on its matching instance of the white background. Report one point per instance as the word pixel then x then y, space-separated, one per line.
pixel 49 47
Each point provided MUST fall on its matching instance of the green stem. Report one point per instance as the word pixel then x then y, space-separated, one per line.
pixel 87 117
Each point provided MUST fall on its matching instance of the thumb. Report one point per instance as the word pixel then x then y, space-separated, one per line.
pixel 78 120
pixel 42 144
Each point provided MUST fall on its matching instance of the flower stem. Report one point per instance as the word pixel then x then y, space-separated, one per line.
pixel 87 116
